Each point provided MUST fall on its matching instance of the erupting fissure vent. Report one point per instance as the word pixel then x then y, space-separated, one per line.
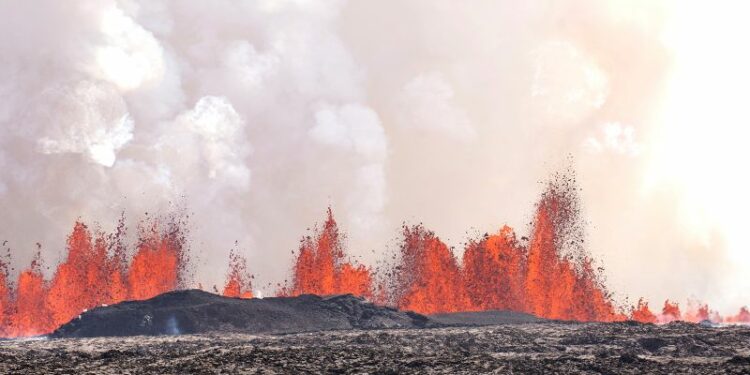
pixel 239 284
pixel 500 273
pixel 320 267
pixel 94 273
pixel 549 273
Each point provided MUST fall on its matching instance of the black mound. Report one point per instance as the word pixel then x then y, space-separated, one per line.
pixel 484 318
pixel 196 311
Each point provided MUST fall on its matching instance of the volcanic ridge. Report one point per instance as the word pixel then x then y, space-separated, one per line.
pixel 196 311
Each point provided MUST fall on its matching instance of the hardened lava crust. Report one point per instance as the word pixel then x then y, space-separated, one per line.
pixel 534 348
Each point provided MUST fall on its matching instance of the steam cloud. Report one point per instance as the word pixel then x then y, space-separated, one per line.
pixel 256 115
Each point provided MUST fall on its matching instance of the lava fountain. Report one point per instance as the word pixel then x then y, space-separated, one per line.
pixel 321 267
pixel 239 279
pixel 547 273
pixel 94 273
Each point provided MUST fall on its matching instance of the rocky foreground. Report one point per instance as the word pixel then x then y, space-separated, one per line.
pixel 595 348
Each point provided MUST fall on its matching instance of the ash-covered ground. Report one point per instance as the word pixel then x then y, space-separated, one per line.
pixel 595 348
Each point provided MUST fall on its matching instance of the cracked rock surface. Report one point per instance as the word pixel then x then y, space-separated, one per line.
pixel 549 347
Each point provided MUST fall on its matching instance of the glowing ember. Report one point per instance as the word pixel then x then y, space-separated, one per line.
pixel 494 271
pixel 641 313
pixel 427 279
pixel 94 273
pixel 239 283
pixel 320 267
pixel 30 315
pixel 742 317
pixel 670 312
pixel 549 274
pixel 697 312
pixel 155 268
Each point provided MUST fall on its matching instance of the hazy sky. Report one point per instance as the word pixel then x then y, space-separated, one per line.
pixel 256 115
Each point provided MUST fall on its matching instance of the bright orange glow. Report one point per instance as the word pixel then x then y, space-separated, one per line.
pixel 321 269
pixel 155 266
pixel 559 286
pixel 428 279
pixel 548 274
pixel 94 273
pixel 31 316
pixel 670 312
pixel 238 283
pixel 743 316
pixel 494 270
pixel 642 313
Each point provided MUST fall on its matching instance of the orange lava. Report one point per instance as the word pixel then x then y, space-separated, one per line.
pixel 428 279
pixel 696 312
pixel 548 273
pixel 239 284
pixel 642 313
pixel 320 267
pixel 670 312
pixel 155 268
pixel 494 270
pixel 743 316
pixel 94 273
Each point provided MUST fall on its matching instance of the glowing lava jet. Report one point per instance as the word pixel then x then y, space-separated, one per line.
pixel 239 284
pixel 320 267
pixel 500 273
pixel 428 279
pixel 548 273
pixel 94 273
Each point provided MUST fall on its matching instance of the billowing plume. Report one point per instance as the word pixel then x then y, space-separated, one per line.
pixel 254 116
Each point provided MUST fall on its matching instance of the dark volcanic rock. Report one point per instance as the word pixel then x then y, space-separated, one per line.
pixel 535 348
pixel 484 318
pixel 652 344
pixel 195 311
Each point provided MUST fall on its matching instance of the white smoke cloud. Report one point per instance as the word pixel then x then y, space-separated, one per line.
pixel 567 84
pixel 88 119
pixel 130 55
pixel 357 129
pixel 426 103
pixel 614 137
pixel 223 144
pixel 351 127
pixel 257 115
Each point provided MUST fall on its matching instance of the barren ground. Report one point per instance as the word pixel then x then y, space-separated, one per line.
pixel 520 348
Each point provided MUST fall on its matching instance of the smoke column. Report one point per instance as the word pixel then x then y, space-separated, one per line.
pixel 256 115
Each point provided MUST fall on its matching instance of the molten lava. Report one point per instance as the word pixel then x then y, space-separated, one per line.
pixel 156 266
pixel 94 273
pixel 239 284
pixel 742 317
pixel 498 272
pixel 428 279
pixel 670 312
pixel 320 267
pixel 641 313
pixel 548 274
pixel 494 270
pixel 696 312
